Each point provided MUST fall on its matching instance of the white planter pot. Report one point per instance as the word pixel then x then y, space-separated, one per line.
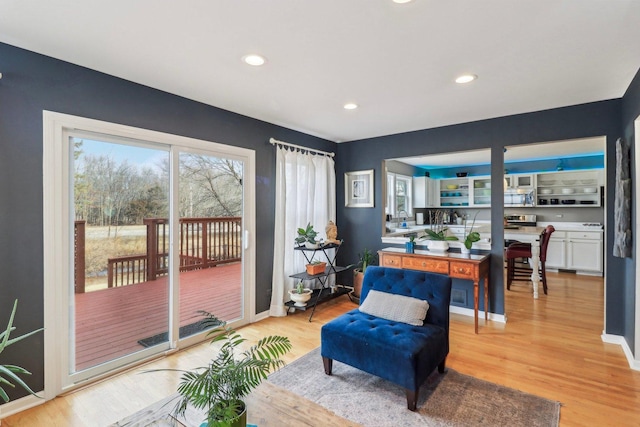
pixel 300 300
pixel 438 245
pixel 464 250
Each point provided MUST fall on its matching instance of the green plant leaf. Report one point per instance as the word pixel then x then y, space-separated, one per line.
pixel 9 373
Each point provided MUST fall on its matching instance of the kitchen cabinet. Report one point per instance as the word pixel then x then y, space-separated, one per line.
pixel 584 251
pixel 481 193
pixel 520 181
pixel 557 250
pixel 581 251
pixel 569 189
pixel 426 192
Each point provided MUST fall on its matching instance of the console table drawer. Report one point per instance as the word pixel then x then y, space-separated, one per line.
pixel 461 270
pixel 422 264
pixel 394 261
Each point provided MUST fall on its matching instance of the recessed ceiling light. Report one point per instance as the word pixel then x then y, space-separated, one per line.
pixel 350 106
pixel 402 1
pixel 466 78
pixel 253 59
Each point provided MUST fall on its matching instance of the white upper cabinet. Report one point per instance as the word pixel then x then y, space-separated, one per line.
pixel 520 181
pixel 426 192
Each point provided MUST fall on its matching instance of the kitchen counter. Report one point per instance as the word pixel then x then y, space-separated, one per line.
pixel 484 228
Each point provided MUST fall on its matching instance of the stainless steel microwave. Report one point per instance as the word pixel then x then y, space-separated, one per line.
pixel 520 197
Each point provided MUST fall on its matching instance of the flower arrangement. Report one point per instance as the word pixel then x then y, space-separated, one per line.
pixel 438 230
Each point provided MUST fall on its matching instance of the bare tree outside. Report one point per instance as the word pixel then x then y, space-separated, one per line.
pixel 116 187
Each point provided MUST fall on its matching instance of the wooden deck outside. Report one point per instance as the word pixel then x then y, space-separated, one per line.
pixel 110 322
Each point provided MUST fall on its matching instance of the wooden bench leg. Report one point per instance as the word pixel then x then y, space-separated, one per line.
pixel 328 365
pixel 412 399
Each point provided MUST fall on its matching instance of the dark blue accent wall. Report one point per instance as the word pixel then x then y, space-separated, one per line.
pixel 361 227
pixel 32 83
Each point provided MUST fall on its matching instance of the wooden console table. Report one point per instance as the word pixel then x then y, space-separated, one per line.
pixel 455 265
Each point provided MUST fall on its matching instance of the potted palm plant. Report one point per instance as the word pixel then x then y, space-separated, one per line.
pixel 366 258
pixel 219 387
pixel 9 373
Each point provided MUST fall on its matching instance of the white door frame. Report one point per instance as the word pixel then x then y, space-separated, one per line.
pixel 58 264
pixel 636 181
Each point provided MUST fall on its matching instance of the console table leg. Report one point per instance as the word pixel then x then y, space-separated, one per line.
pixel 475 304
pixel 486 298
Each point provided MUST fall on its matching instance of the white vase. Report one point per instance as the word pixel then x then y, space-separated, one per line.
pixel 438 245
pixel 300 300
pixel 464 250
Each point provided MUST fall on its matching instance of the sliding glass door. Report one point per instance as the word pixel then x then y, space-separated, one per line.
pixel 156 228
pixel 120 303
pixel 210 239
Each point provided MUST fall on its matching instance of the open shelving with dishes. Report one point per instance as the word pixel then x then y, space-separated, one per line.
pixel 454 192
pixel 324 292
pixel 569 189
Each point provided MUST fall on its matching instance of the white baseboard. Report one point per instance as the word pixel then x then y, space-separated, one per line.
pixel 619 340
pixel 20 405
pixel 260 316
pixel 501 318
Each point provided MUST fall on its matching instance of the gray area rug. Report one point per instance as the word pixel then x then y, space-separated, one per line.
pixel 451 399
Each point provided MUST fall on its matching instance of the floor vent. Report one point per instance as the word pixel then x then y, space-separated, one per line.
pixel 459 297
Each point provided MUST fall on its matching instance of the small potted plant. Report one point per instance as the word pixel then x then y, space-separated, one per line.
pixel 219 387
pixel 316 267
pixel 410 246
pixel 9 373
pixel 307 237
pixel 300 295
pixel 471 237
pixel 366 258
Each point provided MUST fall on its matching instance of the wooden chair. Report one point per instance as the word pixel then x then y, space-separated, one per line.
pixel 523 250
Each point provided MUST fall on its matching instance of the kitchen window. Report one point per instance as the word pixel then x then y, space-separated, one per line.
pixel 399 200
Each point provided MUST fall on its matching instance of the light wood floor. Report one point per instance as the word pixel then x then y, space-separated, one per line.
pixel 550 347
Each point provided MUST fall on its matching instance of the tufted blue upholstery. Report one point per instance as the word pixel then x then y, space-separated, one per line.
pixel 398 352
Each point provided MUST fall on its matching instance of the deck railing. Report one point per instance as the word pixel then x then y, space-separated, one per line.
pixel 203 243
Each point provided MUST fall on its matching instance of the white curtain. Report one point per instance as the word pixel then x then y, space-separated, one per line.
pixel 305 193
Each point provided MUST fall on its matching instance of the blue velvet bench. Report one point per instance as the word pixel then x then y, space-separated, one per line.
pixel 399 352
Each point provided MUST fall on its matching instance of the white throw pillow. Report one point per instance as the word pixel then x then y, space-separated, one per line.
pixel 394 307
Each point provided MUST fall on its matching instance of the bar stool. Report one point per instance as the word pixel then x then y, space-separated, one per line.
pixel 523 250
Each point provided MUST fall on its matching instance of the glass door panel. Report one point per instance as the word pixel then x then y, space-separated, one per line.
pixel 120 303
pixel 210 242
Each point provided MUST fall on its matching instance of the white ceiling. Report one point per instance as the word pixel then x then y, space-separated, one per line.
pixel 398 62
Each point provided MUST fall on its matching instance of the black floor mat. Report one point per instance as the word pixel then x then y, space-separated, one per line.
pixel 185 331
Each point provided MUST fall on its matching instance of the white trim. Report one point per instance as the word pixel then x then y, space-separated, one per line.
pixel 19 405
pixel 56 230
pixel 619 340
pixel 500 318
pixel 260 316
pixel 636 231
